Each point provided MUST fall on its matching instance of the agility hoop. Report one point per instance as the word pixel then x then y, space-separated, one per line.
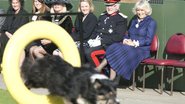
pixel 21 38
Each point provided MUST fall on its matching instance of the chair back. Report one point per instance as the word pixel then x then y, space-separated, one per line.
pixel 176 44
pixel 154 46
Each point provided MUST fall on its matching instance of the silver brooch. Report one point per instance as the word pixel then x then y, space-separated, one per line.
pixel 137 25
pixel 110 30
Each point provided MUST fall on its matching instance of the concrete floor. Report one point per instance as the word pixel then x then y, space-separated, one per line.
pixel 127 96
pixel 150 96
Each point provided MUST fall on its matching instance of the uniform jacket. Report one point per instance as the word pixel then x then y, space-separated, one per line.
pixel 111 28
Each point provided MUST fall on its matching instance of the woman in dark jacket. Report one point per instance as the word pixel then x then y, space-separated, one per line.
pixel 39 6
pixel 89 21
pixel 12 23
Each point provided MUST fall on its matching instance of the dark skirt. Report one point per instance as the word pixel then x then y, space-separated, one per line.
pixel 125 59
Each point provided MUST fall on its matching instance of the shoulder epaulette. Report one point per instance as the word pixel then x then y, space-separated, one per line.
pixel 123 15
pixel 103 13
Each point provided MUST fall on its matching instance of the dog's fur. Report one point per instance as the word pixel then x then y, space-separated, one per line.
pixel 72 83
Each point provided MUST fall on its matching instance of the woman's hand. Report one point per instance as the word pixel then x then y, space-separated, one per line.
pixel 128 42
pixel 9 35
pixel 45 41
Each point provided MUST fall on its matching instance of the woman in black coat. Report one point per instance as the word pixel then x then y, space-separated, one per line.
pixel 89 21
pixel 12 23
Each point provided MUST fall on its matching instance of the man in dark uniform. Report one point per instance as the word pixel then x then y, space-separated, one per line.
pixel 110 29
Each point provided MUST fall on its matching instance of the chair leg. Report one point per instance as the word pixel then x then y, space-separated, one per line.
pixel 171 90
pixel 162 75
pixel 144 78
pixel 133 81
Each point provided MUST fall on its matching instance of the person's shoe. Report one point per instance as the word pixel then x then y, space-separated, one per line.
pixel 117 79
pixel 98 70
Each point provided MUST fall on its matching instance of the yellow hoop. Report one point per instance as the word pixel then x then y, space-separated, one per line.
pixel 21 38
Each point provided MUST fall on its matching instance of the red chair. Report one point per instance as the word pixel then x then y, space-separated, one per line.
pixel 174 47
pixel 179 64
pixel 154 54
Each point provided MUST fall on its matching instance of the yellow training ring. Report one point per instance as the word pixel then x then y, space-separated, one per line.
pixel 21 38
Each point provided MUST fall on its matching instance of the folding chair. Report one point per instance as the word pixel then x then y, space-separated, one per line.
pixel 179 64
pixel 175 46
pixel 154 53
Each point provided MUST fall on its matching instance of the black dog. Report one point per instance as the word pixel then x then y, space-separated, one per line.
pixel 77 85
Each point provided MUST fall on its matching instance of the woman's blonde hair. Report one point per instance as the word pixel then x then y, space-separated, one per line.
pixel 90 4
pixel 143 4
pixel 43 9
